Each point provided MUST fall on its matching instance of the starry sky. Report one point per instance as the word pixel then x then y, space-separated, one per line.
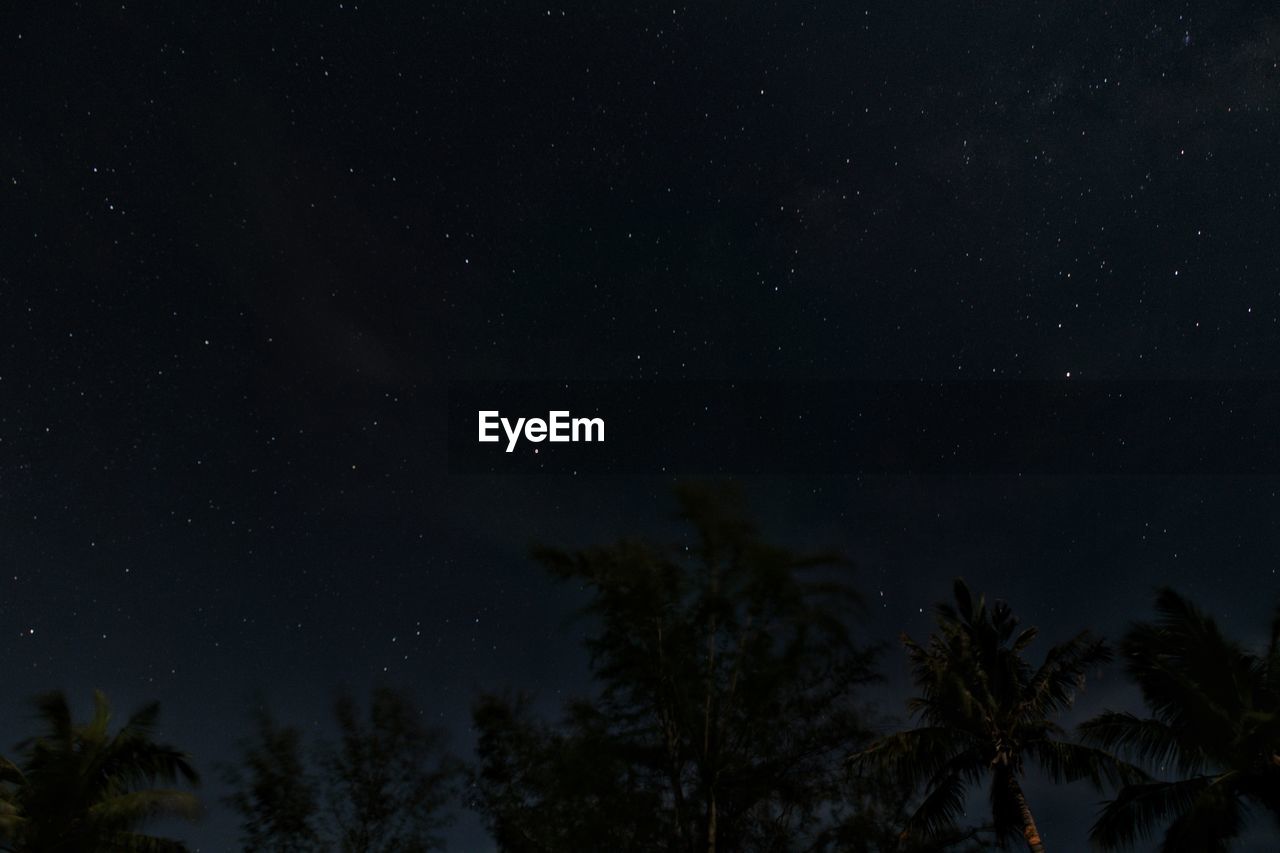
pixel 245 250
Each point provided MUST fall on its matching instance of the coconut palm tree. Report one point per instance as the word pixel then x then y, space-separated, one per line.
pixel 1214 726
pixel 80 788
pixel 985 713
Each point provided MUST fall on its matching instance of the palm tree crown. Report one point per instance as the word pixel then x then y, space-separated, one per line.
pixel 1214 725
pixel 80 788
pixel 985 712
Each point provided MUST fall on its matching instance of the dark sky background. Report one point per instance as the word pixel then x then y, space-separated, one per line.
pixel 244 250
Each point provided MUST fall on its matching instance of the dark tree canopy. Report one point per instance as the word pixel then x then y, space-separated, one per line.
pixel 275 795
pixel 1214 727
pixel 728 697
pixel 81 788
pixel 986 713
pixel 383 786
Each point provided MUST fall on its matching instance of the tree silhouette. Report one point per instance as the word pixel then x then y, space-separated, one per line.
pixel 1214 724
pixel 82 789
pixel 575 787
pixel 382 787
pixel 879 805
pixel 274 792
pixel 728 689
pixel 987 713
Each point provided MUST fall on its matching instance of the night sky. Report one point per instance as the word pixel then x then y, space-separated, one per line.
pixel 244 251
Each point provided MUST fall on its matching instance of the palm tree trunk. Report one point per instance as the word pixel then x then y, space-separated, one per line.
pixel 711 824
pixel 707 741
pixel 1029 830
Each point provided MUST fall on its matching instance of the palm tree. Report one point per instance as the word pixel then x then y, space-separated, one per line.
pixel 986 713
pixel 1214 726
pixel 80 788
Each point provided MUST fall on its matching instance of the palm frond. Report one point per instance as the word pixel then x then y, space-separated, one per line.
pixel 1210 825
pixel 940 809
pixel 1139 810
pixel 1148 741
pixel 135 807
pixel 130 842
pixel 54 712
pixel 1069 762
pixel 914 755
pixel 1054 685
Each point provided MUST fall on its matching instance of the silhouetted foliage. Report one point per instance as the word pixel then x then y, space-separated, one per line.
pixel 573 787
pixel 728 691
pixel 1214 724
pixel 274 792
pixel 878 806
pixel 987 713
pixel 79 788
pixel 383 786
